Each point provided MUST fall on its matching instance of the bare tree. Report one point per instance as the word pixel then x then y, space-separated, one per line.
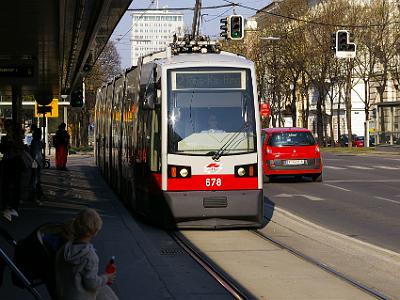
pixel 107 66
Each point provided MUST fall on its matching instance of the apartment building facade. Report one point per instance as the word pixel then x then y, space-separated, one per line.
pixel 152 31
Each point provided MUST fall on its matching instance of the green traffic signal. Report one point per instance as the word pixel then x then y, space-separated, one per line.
pixel 236 26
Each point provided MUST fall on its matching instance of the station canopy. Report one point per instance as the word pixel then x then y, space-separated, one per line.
pixel 47 45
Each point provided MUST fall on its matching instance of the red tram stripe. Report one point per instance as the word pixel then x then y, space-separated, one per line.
pixel 157 178
pixel 212 183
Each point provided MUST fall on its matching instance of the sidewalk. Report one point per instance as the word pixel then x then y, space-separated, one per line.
pixel 145 269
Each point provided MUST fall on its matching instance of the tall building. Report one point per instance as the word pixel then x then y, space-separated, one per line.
pixel 153 31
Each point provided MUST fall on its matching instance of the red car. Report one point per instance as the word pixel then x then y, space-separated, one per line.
pixel 291 151
pixel 358 141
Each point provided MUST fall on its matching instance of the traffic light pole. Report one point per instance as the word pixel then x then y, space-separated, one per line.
pixel 44 126
pixel 196 20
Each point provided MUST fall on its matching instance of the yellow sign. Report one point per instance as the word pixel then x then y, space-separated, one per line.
pixel 52 109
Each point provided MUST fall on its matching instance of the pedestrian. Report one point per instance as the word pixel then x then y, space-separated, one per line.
pixel 11 169
pixel 77 263
pixel 36 151
pixel 61 143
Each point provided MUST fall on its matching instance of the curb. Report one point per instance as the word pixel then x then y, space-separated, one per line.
pixel 329 232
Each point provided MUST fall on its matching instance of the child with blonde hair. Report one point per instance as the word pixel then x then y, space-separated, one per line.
pixel 77 263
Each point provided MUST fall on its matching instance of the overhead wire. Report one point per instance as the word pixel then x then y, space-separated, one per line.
pixel 305 21
pixel 216 17
pixel 141 16
pixel 171 8
pixel 181 8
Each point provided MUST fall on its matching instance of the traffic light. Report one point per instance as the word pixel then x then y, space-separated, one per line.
pixel 77 99
pixel 341 40
pixel 224 27
pixel 236 27
pixel 344 49
pixel 333 42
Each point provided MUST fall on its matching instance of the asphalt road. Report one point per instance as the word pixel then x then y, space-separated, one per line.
pixel 359 197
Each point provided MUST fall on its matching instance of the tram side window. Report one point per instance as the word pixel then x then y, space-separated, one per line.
pixel 149 130
pixel 155 143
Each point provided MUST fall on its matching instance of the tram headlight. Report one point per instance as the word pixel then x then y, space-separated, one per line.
pixel 179 171
pixel 184 172
pixel 241 171
pixel 246 170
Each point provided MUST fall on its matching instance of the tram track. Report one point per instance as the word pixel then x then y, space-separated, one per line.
pixel 323 266
pixel 228 284
pixel 273 263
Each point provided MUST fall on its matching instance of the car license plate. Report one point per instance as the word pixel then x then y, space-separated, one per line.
pixel 295 162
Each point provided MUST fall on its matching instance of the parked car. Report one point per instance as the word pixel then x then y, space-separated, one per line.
pixel 343 140
pixel 291 151
pixel 358 141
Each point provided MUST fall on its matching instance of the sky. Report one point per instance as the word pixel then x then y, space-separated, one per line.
pixel 210 21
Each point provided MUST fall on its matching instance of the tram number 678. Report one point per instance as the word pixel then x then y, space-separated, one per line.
pixel 213 182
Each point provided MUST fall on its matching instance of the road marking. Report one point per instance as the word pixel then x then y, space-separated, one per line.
pixel 312 198
pixel 364 180
pixel 360 167
pixel 386 199
pixel 337 187
pixel 334 168
pixel 333 159
pixel 387 167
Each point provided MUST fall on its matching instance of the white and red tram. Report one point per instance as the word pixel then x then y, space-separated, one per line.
pixel 178 138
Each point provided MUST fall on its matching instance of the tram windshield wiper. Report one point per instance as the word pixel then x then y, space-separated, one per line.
pixel 217 154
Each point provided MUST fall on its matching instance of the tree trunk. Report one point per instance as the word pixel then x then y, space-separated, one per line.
pixel 293 104
pixel 320 124
pixel 338 111
pixel 331 118
pixel 348 107
pixel 366 97
pixel 83 130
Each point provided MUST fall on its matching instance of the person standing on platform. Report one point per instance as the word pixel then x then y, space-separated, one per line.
pixel 11 169
pixel 61 143
pixel 36 151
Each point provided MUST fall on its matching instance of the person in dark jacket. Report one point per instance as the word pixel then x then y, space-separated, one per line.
pixel 11 169
pixel 77 263
pixel 36 151
pixel 61 143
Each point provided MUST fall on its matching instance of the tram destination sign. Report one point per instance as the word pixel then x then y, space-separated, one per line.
pixel 16 71
pixel 209 80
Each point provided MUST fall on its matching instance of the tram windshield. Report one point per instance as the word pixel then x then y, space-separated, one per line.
pixel 209 110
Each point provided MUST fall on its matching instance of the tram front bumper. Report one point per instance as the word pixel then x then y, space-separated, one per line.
pixel 216 209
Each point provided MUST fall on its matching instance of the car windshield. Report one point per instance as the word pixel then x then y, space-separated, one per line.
pixel 210 110
pixel 300 138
